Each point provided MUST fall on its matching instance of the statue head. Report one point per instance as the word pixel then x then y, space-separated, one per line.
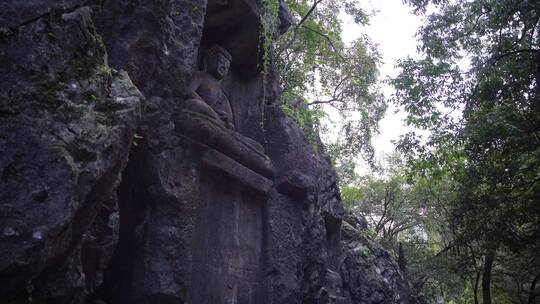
pixel 217 61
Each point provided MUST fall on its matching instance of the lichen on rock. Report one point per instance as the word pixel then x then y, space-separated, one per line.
pixel 61 156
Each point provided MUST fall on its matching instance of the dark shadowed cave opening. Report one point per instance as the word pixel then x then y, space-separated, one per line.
pixel 234 25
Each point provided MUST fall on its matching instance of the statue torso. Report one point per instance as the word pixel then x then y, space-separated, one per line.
pixel 211 92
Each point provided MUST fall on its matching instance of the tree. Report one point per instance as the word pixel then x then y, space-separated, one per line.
pixel 319 71
pixel 480 58
pixel 384 204
pixel 409 215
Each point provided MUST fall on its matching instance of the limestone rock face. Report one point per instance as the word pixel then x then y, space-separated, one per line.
pixel 66 125
pixel 369 273
pixel 107 197
pixel 14 13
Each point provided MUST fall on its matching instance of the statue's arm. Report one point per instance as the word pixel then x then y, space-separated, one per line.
pixel 225 112
pixel 193 87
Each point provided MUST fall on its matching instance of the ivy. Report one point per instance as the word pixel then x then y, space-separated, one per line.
pixel 269 21
pixel 308 119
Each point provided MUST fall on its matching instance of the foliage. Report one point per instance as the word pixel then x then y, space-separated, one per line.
pixel 387 204
pixel 269 18
pixel 475 88
pixel 412 211
pixel 319 71
pixel 466 207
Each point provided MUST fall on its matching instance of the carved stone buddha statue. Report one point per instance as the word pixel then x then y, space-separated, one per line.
pixel 207 117
pixel 205 88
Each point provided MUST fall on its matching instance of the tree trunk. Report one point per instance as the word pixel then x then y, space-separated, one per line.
pixel 486 277
pixel 532 293
pixel 475 287
pixel 401 258
pixel 536 101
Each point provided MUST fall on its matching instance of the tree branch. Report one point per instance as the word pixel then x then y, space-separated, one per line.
pixel 316 102
pixel 327 38
pixel 298 25
pixel 315 3
pixel 501 56
pixel 335 95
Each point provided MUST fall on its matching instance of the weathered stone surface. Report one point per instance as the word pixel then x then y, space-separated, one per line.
pixel 207 131
pixel 206 116
pixel 303 230
pixel 370 274
pixel 229 243
pixel 81 273
pixel 356 220
pixel 15 13
pixel 218 161
pixel 295 184
pixel 201 239
pixel 285 17
pixel 234 25
pixel 66 125
pixel 157 43
pixel 189 222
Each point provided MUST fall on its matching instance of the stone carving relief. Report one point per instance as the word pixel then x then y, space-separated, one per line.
pixel 206 95
pixel 206 116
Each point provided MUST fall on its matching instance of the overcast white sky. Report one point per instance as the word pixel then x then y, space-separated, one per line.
pixel 393 28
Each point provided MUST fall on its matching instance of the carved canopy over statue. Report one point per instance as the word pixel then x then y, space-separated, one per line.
pixel 207 117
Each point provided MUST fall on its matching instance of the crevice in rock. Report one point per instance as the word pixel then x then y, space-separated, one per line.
pixel 132 202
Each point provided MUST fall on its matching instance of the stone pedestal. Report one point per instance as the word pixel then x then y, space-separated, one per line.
pixel 228 233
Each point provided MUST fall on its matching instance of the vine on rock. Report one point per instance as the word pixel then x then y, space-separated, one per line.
pixel 269 17
pixel 269 20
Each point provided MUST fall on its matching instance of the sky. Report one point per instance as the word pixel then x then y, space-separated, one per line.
pixel 393 29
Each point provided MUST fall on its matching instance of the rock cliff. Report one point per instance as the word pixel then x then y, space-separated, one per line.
pixel 111 191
